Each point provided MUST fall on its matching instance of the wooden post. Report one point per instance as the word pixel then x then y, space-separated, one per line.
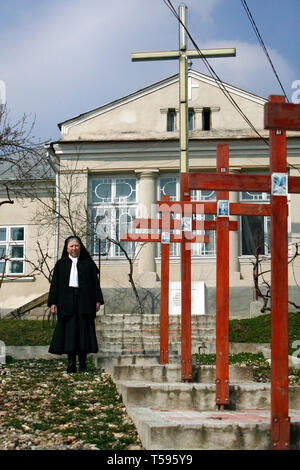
pixel 164 297
pixel 186 290
pixel 280 421
pixel 222 289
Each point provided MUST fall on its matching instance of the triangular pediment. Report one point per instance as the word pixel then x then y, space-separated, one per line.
pixel 142 114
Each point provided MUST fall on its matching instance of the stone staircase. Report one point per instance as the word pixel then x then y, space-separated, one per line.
pixel 122 334
pixel 173 415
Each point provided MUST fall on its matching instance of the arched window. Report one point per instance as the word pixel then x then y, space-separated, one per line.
pixel 113 205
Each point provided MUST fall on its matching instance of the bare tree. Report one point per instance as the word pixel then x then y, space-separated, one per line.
pixel 17 136
pixel 8 200
pixel 262 286
pixel 67 205
pixel 131 260
pixel 43 264
pixel 4 260
pixel 16 144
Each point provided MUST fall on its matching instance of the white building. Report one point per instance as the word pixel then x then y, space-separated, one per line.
pixel 123 156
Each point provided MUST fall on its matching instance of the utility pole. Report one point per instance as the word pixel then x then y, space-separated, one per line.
pixel 183 54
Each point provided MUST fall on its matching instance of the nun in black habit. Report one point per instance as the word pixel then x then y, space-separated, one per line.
pixel 75 296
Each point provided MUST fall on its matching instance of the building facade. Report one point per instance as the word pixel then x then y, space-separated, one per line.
pixel 117 160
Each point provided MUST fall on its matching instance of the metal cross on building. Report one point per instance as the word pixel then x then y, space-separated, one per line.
pixel 183 55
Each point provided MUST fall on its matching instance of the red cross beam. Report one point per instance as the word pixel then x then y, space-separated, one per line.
pixel 165 224
pixel 222 269
pixel 281 115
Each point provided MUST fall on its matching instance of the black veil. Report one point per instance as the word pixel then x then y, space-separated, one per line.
pixel 84 254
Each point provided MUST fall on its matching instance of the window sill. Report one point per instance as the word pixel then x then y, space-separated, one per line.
pixel 112 260
pixel 195 259
pixel 247 259
pixel 18 278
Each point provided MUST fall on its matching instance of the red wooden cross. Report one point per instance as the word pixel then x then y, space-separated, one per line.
pixel 165 224
pixel 275 183
pixel 186 360
pixel 222 227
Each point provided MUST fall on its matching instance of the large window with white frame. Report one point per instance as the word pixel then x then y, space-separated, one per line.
pixel 113 207
pixel 12 250
pixel 170 185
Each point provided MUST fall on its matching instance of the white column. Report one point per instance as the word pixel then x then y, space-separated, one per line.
pixel 147 198
pixel 234 239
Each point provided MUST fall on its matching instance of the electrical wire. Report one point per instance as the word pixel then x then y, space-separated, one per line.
pixel 222 86
pixel 214 75
pixel 260 40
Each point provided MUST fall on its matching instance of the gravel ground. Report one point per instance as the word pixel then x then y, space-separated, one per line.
pixel 44 408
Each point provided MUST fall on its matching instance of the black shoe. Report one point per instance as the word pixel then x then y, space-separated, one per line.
pixel 71 364
pixel 82 363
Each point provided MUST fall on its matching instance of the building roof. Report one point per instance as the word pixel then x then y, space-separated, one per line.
pixel 26 165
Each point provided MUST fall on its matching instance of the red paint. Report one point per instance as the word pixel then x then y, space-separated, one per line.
pixel 281 115
pixel 280 421
pixel 186 291
pixel 222 290
pixel 176 223
pixel 211 207
pixel 164 302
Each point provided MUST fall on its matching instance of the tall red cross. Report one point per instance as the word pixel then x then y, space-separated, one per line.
pixel 222 227
pixel 165 208
pixel 279 117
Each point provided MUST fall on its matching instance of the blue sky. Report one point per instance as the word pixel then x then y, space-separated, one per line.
pixel 60 58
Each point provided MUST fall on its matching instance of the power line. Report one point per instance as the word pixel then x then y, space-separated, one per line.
pixel 222 86
pixel 260 40
pixel 214 75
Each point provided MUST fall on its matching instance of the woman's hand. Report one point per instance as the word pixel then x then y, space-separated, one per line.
pixel 53 309
pixel 98 305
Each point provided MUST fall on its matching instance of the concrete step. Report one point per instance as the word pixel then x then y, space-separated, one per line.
pixel 108 361
pixel 199 397
pixel 123 337
pixel 134 343
pixel 118 330
pixel 137 348
pixel 140 347
pixel 154 320
pixel 172 373
pixel 153 317
pixel 150 340
pixel 206 430
pixel 207 374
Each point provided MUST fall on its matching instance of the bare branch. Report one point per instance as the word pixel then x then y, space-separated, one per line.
pixel 130 275
pixel 9 200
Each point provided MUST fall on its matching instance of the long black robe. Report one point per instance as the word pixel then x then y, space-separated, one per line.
pixel 76 308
